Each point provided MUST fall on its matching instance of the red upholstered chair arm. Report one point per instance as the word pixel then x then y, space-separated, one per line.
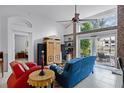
pixel 11 81
pixel 22 81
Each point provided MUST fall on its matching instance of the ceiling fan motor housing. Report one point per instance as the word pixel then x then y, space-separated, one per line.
pixel 76 18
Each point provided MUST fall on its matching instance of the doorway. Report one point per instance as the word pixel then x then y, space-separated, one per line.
pixel 21 48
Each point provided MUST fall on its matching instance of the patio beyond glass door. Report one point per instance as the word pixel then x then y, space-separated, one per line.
pixel 106 51
pixel 102 45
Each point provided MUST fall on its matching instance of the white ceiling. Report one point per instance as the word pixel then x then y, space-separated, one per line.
pixel 59 12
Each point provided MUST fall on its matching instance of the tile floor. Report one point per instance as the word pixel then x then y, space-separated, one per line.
pixel 102 78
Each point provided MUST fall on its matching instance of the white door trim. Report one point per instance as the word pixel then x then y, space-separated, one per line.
pixel 29 35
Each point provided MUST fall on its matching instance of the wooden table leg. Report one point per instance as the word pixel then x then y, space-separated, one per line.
pixel 1 65
pixel 52 84
pixel 45 86
pixel 2 70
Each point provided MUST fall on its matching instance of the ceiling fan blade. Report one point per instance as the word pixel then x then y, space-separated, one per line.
pixel 65 21
pixel 87 19
pixel 68 25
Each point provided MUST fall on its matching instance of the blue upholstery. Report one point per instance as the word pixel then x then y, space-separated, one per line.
pixel 75 71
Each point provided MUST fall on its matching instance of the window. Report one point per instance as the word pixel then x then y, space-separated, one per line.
pixel 107 21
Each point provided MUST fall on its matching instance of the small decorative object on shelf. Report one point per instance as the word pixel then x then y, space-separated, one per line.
pixel 68 57
pixel 69 39
pixel 42 65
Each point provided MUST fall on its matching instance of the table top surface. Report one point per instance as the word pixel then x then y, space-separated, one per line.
pixel 36 77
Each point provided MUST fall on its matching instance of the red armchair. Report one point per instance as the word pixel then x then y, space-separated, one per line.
pixel 20 80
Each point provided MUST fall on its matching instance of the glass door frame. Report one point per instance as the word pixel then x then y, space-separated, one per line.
pixel 88 36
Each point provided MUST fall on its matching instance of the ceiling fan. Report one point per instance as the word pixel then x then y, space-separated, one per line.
pixel 75 21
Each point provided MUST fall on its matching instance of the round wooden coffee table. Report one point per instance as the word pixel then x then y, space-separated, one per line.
pixel 36 80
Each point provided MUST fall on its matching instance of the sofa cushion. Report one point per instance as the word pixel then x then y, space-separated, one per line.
pixel 18 70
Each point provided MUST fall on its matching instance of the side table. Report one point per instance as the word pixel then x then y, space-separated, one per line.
pixel 36 80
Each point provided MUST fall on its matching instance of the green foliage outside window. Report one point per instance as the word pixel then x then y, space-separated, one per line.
pixel 87 26
pixel 85 43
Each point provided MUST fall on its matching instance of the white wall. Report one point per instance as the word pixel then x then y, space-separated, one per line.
pixel 20 43
pixel 41 27
pixel 60 29
pixel 0 36
pixel 4 34
pixel 69 30
pixel 4 39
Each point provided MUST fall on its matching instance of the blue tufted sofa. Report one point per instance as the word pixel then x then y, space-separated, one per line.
pixel 74 71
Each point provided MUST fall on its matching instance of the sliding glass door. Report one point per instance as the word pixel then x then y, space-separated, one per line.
pixel 103 46
pixel 106 50
pixel 85 47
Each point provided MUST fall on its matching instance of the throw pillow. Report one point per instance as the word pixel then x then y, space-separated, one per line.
pixel 59 70
pixel 18 70
pixel 25 66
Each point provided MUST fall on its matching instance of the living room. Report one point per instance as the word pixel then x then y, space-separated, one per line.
pixel 43 25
